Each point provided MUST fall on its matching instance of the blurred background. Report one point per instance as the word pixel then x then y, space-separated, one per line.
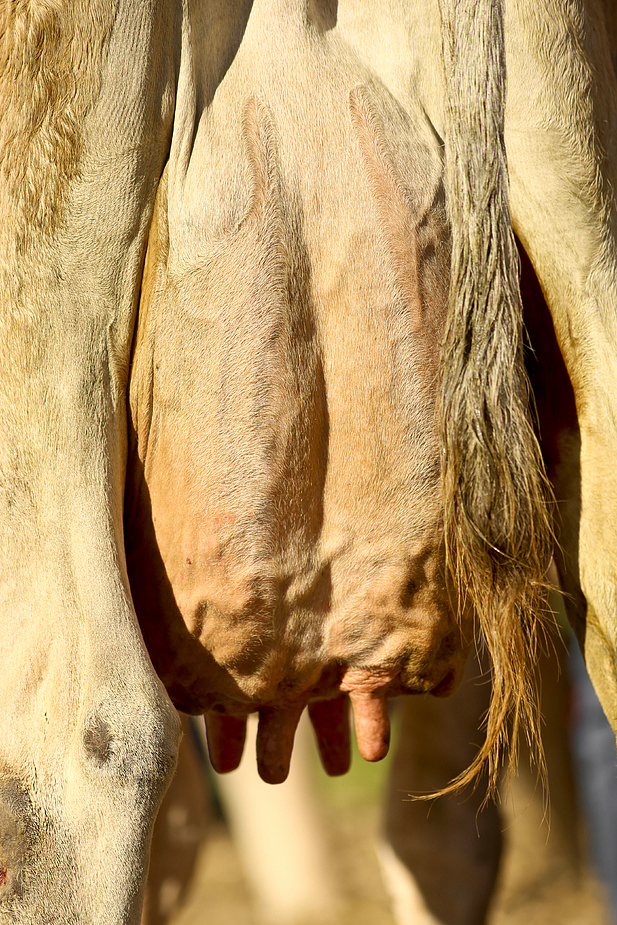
pixel 230 850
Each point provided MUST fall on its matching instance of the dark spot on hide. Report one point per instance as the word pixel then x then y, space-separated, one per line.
pixel 323 13
pixel 409 592
pixel 17 836
pixel 99 741
pixel 417 580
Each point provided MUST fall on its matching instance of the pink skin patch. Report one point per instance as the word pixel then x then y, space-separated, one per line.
pixel 277 727
pixel 372 722
pixel 366 689
pixel 4 875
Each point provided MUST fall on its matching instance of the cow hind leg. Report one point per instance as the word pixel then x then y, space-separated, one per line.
pixel 179 832
pixel 440 859
pixel 561 156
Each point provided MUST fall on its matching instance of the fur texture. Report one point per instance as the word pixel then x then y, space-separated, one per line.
pixel 50 75
pixel 497 523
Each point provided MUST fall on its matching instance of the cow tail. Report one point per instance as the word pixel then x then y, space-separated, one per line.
pixel 498 528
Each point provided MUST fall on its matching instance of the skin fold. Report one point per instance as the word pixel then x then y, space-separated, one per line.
pixel 283 523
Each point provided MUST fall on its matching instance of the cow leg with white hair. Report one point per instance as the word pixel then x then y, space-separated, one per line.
pixel 563 170
pixel 89 738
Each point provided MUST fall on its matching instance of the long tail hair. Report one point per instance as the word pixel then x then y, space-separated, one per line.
pixel 496 494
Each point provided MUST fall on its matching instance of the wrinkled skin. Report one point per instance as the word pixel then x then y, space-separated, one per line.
pixel 283 525
pixel 87 123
